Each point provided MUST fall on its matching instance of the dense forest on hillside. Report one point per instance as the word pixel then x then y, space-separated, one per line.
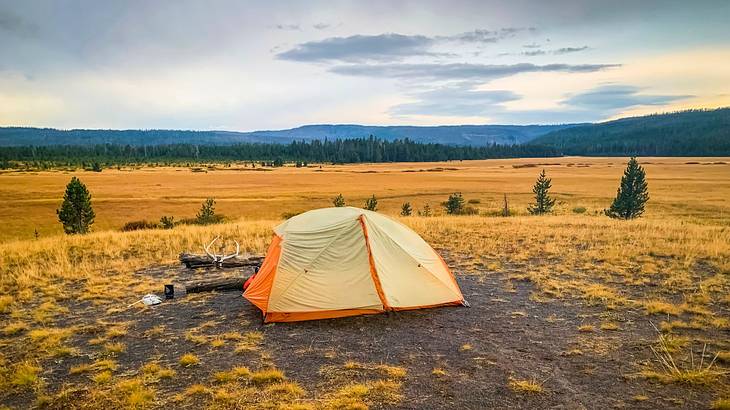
pixel 685 133
pixel 339 151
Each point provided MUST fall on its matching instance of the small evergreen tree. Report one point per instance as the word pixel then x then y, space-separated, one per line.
pixel 505 208
pixel 339 201
pixel 632 193
pixel 543 203
pixel 426 210
pixel 455 204
pixel 405 209
pixel 96 167
pixel 75 212
pixel 206 215
pixel 371 204
pixel 167 222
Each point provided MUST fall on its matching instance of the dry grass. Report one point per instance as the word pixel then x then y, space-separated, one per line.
pixel 672 263
pixel 526 386
pixel 188 359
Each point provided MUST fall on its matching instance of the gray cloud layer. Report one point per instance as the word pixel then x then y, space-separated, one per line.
pixel 460 71
pixel 388 45
pixel 359 48
pixel 617 97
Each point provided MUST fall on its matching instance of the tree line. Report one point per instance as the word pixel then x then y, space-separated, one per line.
pixel 338 151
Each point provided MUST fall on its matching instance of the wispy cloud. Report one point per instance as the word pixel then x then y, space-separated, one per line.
pixel 360 48
pixel 609 98
pixel 288 27
pixel 321 26
pixel 389 45
pixel 14 24
pixel 457 100
pixel 460 71
pixel 566 50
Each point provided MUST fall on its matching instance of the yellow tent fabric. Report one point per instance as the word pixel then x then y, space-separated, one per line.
pixel 345 261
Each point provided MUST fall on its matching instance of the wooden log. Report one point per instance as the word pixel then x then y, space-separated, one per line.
pixel 199 261
pixel 215 284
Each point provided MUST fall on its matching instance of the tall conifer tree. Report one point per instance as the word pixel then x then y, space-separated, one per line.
pixel 632 195
pixel 543 203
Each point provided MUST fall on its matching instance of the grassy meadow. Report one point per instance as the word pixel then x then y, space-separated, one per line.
pixel 669 270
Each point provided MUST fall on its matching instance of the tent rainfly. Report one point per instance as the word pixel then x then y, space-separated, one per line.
pixel 336 262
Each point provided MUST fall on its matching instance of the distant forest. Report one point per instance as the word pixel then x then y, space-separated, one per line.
pixel 684 133
pixel 337 152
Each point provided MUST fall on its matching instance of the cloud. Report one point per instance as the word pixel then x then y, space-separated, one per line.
pixel 288 27
pixel 566 50
pixel 460 71
pixel 618 97
pixel 486 36
pixel 360 48
pixel 459 100
pixel 389 45
pixel 532 53
pixel 16 25
pixel 321 26
pixel 533 45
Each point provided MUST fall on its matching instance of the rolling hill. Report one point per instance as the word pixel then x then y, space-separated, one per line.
pixel 470 135
pixel 684 133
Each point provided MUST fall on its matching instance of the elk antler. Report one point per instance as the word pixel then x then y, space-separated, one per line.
pixel 233 255
pixel 207 249
pixel 218 259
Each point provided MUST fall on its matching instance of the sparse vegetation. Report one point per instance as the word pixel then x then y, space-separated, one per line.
pixel 338 201
pixel 371 204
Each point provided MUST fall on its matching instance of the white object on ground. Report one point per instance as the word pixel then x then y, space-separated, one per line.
pixel 150 299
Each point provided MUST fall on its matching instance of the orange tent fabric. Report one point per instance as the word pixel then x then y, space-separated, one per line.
pixel 337 262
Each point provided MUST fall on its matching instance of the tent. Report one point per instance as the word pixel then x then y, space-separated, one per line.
pixel 336 262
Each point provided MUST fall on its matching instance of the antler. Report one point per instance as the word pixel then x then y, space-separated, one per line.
pixel 218 259
pixel 207 250
pixel 233 255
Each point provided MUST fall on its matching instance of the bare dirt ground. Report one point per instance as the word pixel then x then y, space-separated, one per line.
pixel 454 357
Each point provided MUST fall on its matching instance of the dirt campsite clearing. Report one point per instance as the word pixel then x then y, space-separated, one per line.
pixel 572 310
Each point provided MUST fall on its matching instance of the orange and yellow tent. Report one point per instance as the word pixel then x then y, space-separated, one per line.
pixel 336 262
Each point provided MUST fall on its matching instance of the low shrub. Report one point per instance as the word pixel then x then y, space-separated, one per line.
pixel 139 225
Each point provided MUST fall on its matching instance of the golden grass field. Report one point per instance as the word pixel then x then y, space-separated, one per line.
pixel 696 192
pixel 670 268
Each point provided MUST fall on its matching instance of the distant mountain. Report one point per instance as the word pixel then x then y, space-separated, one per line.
pixel 468 135
pixel 684 133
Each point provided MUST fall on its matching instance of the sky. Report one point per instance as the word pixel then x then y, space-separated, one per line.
pixel 242 66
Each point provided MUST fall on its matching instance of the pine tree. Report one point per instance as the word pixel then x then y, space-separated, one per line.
pixel 339 201
pixel 426 210
pixel 543 203
pixel 632 193
pixel 371 204
pixel 405 209
pixel 455 204
pixel 206 215
pixel 75 212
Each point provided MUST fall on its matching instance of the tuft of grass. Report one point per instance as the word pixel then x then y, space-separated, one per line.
pixel 155 372
pixel 135 394
pixel 586 328
pixel 196 338
pixel 12 329
pixel 188 360
pixel 525 386
pixel 611 326
pixel 197 390
pixel 439 372
pixel 115 348
pixel 25 374
pixel 720 404
pixel 466 347
pixel 6 303
pixel 267 376
pixel 658 306
pixel 641 397
pixel 104 377
pixel 673 371
pixel 235 374
pixel 217 342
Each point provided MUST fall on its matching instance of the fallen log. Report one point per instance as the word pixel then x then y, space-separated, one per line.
pixel 191 260
pixel 217 284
